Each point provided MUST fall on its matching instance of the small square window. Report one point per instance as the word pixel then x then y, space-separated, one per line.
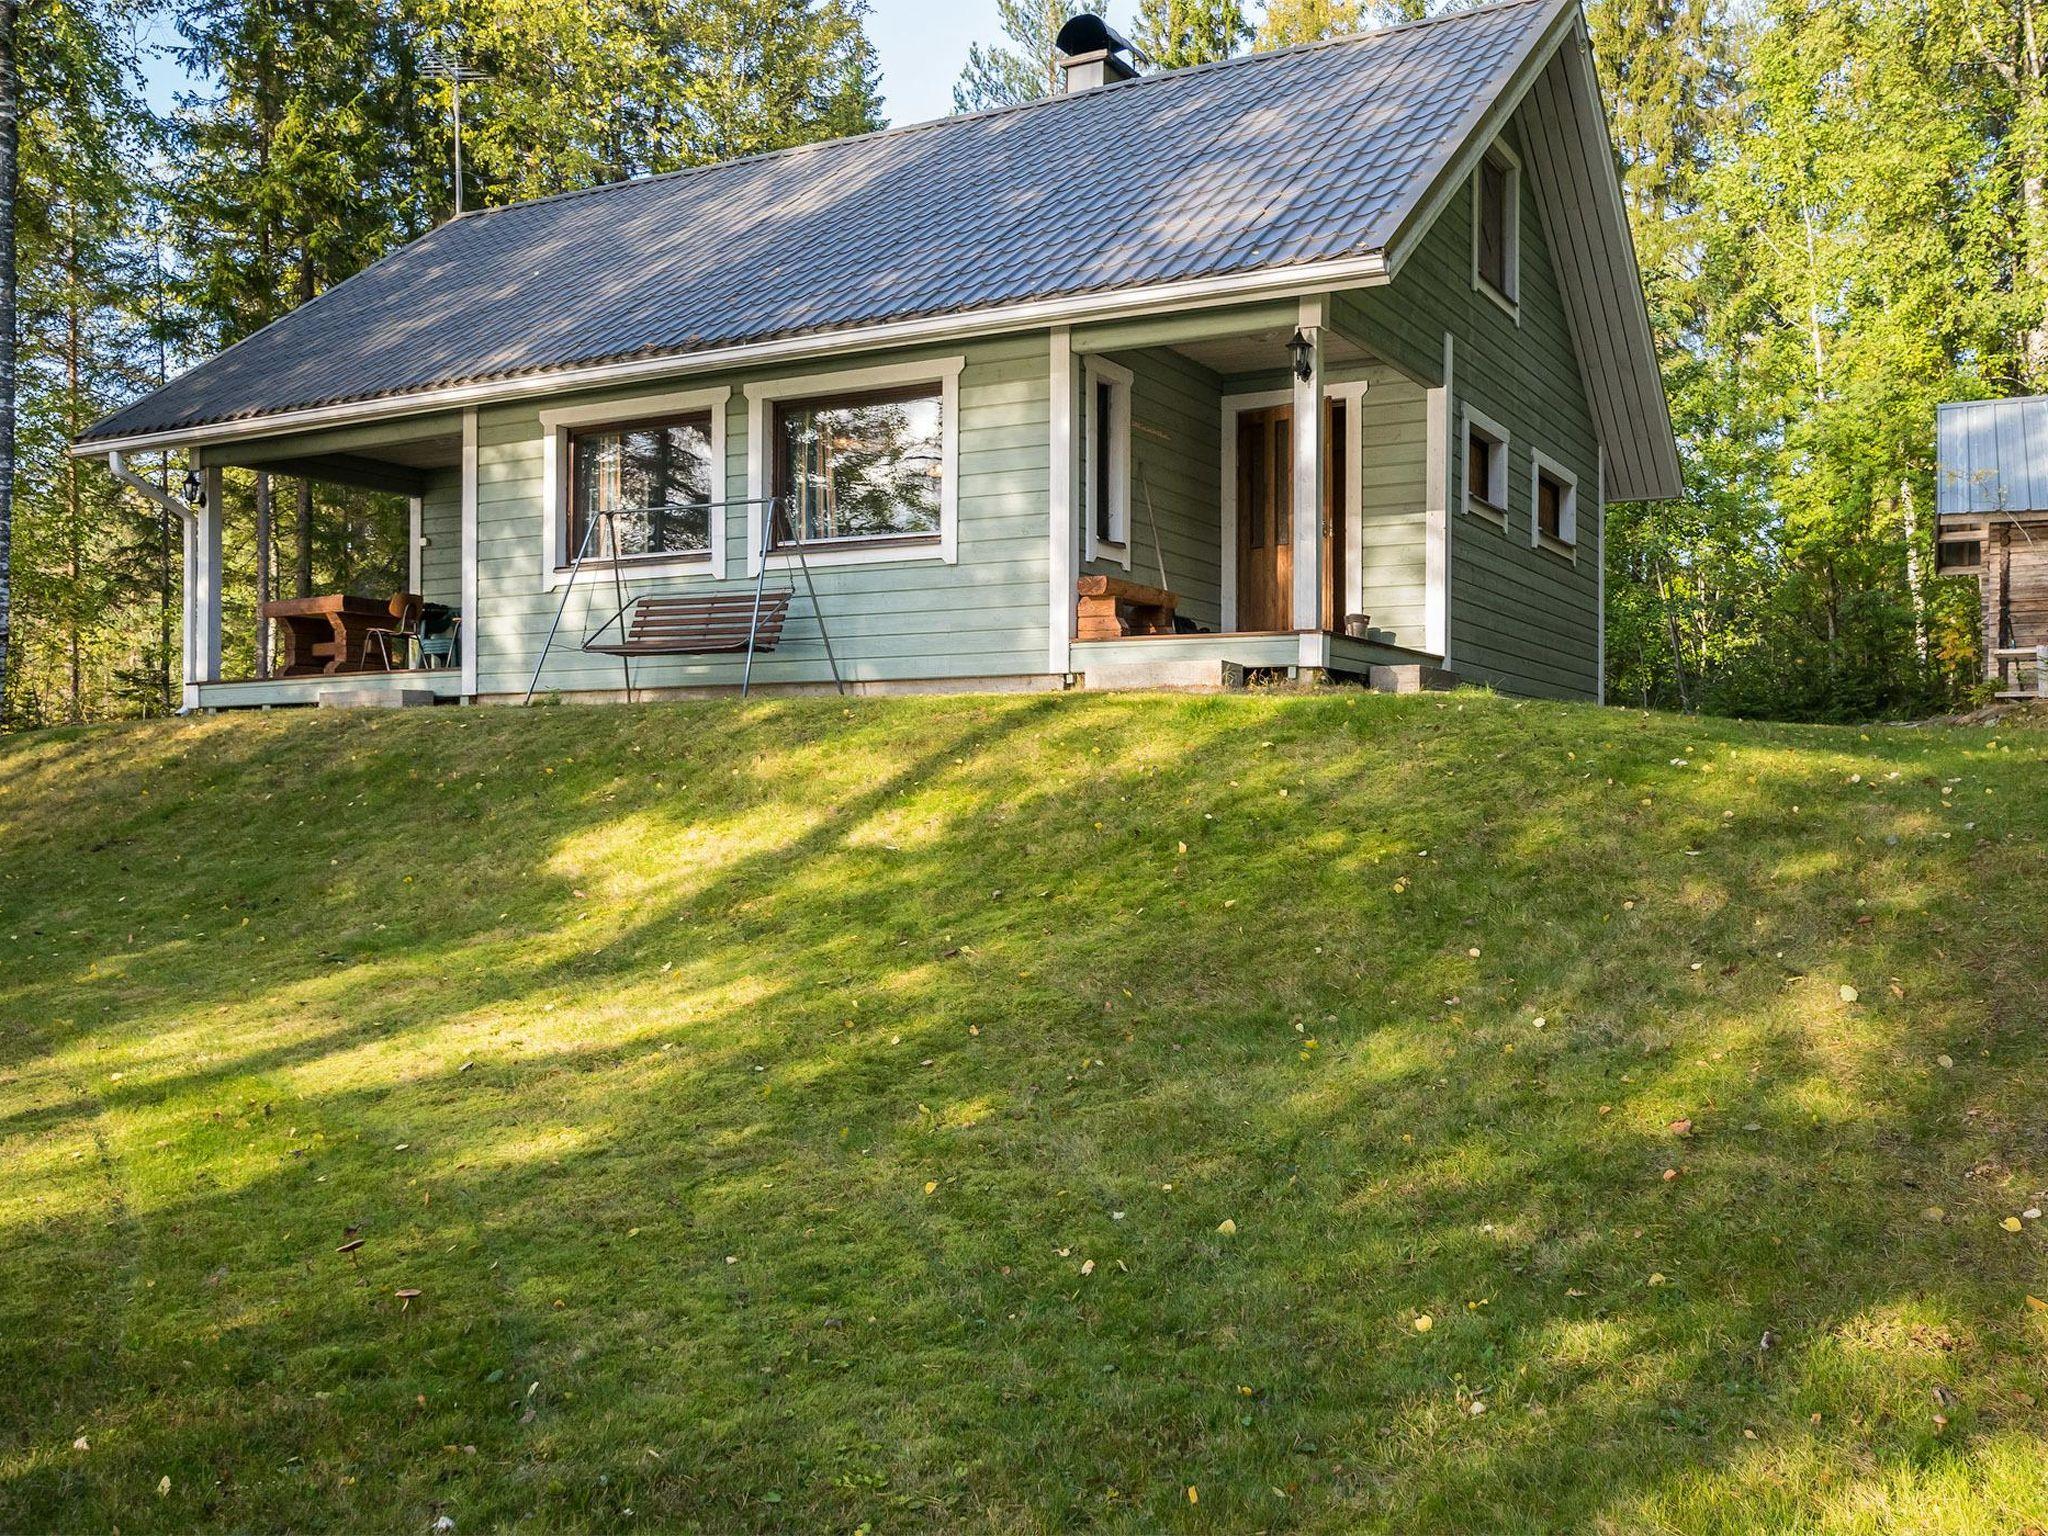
pixel 1486 467
pixel 1554 507
pixel 1959 557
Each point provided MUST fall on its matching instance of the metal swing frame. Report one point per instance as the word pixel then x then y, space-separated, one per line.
pixel 771 507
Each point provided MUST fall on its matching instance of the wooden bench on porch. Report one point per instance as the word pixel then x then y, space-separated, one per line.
pixel 1111 608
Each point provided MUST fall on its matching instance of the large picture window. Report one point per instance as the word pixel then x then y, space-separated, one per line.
pixel 653 477
pixel 855 467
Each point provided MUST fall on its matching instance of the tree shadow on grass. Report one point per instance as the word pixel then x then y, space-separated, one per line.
pixel 876 1352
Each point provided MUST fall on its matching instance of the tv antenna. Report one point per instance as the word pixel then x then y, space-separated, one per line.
pixel 443 63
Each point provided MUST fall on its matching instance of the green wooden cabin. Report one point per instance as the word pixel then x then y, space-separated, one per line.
pixel 1343 348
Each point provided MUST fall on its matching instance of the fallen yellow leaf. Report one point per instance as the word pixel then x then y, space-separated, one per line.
pixel 1424 1323
pixel 1227 1227
pixel 2011 1223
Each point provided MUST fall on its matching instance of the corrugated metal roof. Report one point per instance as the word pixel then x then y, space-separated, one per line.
pixel 1992 457
pixel 1270 160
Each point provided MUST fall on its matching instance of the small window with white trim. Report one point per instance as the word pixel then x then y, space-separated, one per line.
pixel 1553 506
pixel 1106 459
pixel 1486 468
pixel 1497 226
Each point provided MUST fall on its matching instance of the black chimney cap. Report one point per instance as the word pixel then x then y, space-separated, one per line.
pixel 1089 33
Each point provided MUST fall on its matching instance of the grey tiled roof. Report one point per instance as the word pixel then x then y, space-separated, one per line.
pixel 1265 161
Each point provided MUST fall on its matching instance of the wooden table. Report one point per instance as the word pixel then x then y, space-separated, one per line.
pixel 327 634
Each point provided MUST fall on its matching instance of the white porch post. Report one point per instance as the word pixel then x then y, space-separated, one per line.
pixel 203 588
pixel 1061 533
pixel 470 636
pixel 1443 464
pixel 1310 454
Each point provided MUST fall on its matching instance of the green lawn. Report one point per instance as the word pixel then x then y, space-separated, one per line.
pixel 1257 1112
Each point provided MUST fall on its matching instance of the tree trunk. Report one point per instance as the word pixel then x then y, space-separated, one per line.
pixel 74 490
pixel 10 184
pixel 1910 515
pixel 263 523
pixel 2027 76
pixel 302 530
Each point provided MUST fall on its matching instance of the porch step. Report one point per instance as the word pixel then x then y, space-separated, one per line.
pixel 374 698
pixel 1417 677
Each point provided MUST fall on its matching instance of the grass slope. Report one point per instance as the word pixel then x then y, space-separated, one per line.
pixel 819 1118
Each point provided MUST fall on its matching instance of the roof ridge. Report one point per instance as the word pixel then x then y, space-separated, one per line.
pixel 1014 109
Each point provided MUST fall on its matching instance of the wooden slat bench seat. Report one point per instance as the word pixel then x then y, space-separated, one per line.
pixel 1111 607
pixel 717 624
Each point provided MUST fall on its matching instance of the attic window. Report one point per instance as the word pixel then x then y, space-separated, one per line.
pixel 1496 226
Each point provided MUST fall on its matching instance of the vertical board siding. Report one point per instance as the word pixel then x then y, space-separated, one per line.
pixel 984 615
pixel 1521 619
pixel 1176 466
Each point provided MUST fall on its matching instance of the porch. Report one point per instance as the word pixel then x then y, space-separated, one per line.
pixel 377 619
pixel 1264 486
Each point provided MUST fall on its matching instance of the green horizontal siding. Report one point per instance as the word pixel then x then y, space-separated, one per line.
pixel 985 615
pixel 1521 619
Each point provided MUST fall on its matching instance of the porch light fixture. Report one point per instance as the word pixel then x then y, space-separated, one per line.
pixel 195 489
pixel 1303 351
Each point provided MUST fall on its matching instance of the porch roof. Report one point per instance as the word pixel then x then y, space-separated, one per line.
pixel 1286 161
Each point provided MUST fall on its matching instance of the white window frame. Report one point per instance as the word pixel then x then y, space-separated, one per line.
pixel 555 427
pixel 761 399
pixel 1567 548
pixel 1495 508
pixel 1113 438
pixel 1502 154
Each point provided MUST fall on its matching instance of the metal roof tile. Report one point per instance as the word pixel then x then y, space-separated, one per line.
pixel 1275 159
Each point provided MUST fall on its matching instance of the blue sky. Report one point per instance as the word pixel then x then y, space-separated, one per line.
pixel 923 43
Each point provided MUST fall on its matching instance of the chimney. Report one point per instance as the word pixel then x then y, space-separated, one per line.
pixel 1092 53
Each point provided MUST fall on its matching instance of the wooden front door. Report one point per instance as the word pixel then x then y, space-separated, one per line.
pixel 1265 518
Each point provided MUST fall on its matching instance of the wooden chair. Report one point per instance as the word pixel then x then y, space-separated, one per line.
pixel 407 609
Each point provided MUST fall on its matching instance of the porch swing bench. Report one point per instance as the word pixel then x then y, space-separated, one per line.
pixel 742 623
pixel 718 625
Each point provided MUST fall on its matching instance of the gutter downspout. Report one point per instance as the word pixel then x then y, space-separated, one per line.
pixel 188 520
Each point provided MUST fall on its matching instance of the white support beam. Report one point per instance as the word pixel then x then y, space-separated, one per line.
pixel 1061 533
pixel 415 538
pixel 203 579
pixel 470 636
pixel 1438 516
pixel 1311 453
